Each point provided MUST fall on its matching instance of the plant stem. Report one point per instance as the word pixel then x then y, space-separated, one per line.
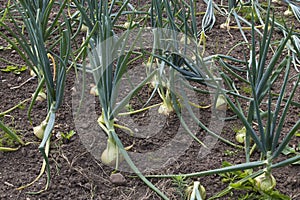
pixel 139 110
pixel 15 107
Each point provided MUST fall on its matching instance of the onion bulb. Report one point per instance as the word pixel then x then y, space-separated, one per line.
pixel 41 96
pixel 241 135
pixel 127 24
pixel 165 109
pixel 111 154
pixel 265 182
pixel 195 190
pixel 31 71
pixel 288 12
pixel 94 90
pixel 225 26
pixel 39 130
pixel 221 103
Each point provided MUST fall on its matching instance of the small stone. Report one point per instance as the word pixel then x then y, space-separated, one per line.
pixel 117 179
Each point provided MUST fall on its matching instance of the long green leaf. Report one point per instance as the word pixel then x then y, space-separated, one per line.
pixel 126 99
pixel 35 95
pixel 275 136
pixel 243 166
pixel 272 64
pixel 11 133
pixel 46 137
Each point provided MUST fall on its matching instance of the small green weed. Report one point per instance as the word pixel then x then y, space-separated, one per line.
pixel 230 153
pixel 292 150
pixel 14 69
pixel 6 140
pixel 65 137
pixel 129 108
pixel 180 184
pixel 248 186
pixel 3 48
pixel 246 12
pixel 247 89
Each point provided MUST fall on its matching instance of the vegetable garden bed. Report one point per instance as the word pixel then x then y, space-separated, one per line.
pixel 174 136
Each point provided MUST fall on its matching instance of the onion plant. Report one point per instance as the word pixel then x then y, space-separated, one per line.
pixel 179 49
pixel 33 46
pixel 262 78
pixel 180 21
pixel 168 44
pixel 108 57
pixel 270 138
pixel 165 40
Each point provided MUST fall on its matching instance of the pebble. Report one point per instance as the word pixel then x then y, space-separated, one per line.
pixel 117 179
